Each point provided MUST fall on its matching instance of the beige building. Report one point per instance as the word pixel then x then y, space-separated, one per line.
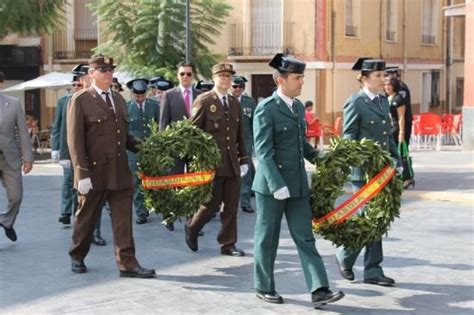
pixel 330 35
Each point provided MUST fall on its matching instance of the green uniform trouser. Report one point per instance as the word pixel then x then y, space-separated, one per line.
pixel 267 234
pixel 247 180
pixel 138 196
pixel 373 252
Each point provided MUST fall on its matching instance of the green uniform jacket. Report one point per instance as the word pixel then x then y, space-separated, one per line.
pixel 248 106
pixel 281 147
pixel 59 131
pixel 364 118
pixel 138 122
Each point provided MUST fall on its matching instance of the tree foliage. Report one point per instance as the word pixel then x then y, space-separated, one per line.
pixel 30 16
pixel 147 37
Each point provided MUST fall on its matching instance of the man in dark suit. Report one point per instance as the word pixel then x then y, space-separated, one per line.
pixel 141 112
pixel 219 114
pixel 175 105
pixel 98 138
pixel 15 155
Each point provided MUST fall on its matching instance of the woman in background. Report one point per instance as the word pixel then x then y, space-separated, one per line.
pixel 402 117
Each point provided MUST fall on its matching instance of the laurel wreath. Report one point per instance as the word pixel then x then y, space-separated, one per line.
pixel 327 184
pixel 157 156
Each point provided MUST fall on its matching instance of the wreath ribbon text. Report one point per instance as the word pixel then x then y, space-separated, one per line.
pixel 362 196
pixel 177 180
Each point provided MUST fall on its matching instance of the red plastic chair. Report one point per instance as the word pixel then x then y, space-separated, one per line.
pixel 332 131
pixel 428 129
pixel 313 130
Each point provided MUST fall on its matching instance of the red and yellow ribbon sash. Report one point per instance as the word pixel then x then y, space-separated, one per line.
pixel 362 196
pixel 177 180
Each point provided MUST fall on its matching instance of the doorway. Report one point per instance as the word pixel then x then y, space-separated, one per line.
pixel 262 86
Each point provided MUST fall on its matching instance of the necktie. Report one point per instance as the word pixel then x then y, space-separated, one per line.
pixel 224 101
pixel 108 101
pixel 141 107
pixel 187 101
pixel 378 102
pixel 293 107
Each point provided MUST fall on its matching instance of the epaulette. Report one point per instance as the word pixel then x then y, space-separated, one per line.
pixel 266 101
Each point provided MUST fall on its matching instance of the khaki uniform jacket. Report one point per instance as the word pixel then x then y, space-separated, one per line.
pixel 225 125
pixel 98 139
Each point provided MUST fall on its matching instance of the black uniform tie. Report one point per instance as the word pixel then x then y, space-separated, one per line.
pixel 224 101
pixel 108 101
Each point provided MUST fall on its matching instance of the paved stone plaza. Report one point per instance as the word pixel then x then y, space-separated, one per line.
pixel 429 252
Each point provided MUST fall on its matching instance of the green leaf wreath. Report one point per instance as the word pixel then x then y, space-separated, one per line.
pixel 157 156
pixel 332 172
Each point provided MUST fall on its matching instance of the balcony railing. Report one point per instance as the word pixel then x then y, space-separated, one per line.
pixel 261 39
pixel 74 43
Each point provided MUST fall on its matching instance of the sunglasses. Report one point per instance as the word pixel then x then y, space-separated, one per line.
pixel 77 85
pixel 182 74
pixel 237 87
pixel 105 69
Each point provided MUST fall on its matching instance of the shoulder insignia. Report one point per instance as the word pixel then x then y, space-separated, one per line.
pixel 402 93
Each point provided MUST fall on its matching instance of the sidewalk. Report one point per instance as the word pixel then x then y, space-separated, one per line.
pixel 429 251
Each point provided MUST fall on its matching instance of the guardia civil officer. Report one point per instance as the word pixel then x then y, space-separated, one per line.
pixel 281 185
pixel 248 105
pixel 366 115
pixel 98 138
pixel 158 86
pixel 60 152
pixel 141 112
pixel 219 114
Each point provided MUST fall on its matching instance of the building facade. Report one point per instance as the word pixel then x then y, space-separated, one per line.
pixel 330 36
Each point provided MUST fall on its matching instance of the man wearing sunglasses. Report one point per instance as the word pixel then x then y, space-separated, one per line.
pixel 176 103
pixel 98 139
pixel 141 112
pixel 60 151
pixel 248 105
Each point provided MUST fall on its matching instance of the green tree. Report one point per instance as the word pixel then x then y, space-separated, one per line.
pixel 147 37
pixel 30 16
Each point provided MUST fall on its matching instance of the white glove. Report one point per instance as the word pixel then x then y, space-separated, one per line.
pixel 399 170
pixel 55 156
pixel 65 163
pixel 282 193
pixel 244 168
pixel 84 185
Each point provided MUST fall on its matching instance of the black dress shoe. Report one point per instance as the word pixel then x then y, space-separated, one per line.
pixel 78 266
pixel 191 242
pixel 98 240
pixel 382 280
pixel 65 219
pixel 323 296
pixel 270 297
pixel 170 226
pixel 234 251
pixel 138 272
pixel 10 233
pixel 141 220
pixel 248 209
pixel 345 273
